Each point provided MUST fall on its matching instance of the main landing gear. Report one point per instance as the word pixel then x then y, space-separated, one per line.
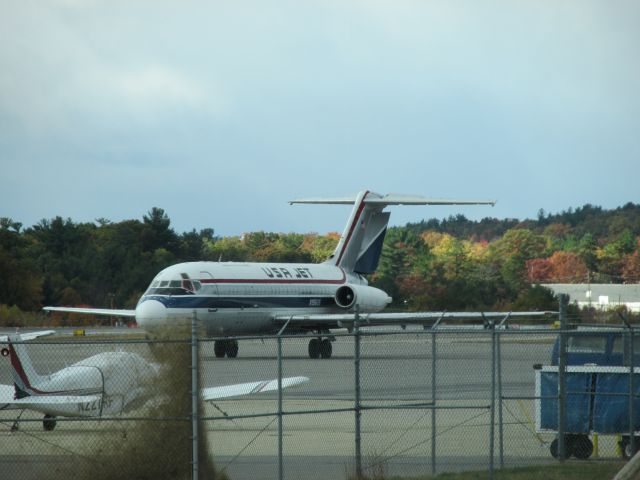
pixel 320 348
pixel 578 445
pixel 625 446
pixel 49 422
pixel 225 347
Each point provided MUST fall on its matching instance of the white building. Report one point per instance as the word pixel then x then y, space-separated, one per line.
pixel 603 296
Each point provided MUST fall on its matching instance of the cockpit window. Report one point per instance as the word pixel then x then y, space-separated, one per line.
pixel 168 291
pixel 188 284
pixel 182 286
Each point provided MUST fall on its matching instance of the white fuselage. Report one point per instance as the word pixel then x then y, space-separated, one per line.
pixel 232 298
pixel 112 381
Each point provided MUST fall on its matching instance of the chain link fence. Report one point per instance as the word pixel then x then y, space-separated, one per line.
pixel 389 402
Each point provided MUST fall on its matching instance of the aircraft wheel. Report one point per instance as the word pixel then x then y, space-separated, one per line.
pixel 568 447
pixel 625 447
pixel 219 348
pixel 314 348
pixel 232 348
pixel 325 348
pixel 49 422
pixel 581 447
pixel 553 448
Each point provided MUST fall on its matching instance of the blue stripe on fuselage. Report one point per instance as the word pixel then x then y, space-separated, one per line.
pixel 194 301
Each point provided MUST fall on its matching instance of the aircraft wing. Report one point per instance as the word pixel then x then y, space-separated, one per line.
pixel 420 318
pixel 216 393
pixel 28 335
pixel 40 402
pixel 93 311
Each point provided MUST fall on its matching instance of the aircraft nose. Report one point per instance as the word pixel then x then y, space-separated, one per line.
pixel 151 313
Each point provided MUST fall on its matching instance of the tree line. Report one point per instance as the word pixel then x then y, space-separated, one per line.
pixel 452 264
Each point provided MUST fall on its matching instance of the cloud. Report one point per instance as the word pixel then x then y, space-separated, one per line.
pixel 149 93
pixel 65 68
pixel 156 84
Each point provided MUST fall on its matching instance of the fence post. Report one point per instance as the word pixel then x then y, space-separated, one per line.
pixel 632 437
pixel 492 408
pixel 433 400
pixel 500 418
pixel 195 391
pixel 358 444
pixel 280 432
pixel 562 369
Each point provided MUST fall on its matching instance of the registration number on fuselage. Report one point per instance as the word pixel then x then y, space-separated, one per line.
pixel 97 405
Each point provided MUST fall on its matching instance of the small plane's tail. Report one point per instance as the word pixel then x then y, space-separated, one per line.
pixel 25 377
pixel 361 242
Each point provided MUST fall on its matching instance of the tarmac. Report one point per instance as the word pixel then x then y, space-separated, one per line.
pixel 395 372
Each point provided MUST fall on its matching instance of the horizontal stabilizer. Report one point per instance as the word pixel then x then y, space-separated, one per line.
pixel 348 200
pixel 93 311
pixel 361 242
pixel 391 199
pixel 215 393
pixel 394 199
pixel 23 337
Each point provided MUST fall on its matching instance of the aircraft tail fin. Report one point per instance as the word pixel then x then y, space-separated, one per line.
pixel 361 242
pixel 25 377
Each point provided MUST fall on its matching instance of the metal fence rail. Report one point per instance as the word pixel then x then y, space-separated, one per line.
pixel 388 402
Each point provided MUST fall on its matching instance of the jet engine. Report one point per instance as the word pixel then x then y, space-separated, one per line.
pixel 368 298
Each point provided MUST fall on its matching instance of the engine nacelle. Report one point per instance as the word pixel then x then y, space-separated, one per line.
pixel 368 298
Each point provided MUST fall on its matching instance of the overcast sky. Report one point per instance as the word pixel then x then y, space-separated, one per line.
pixel 220 112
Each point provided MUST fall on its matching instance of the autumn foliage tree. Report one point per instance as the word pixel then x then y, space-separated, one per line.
pixel 449 264
pixel 561 267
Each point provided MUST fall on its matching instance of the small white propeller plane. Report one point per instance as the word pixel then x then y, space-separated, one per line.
pixel 106 384
pixel 234 299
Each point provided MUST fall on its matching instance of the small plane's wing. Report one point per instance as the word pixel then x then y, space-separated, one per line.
pixel 93 311
pixel 28 335
pixel 216 393
pixel 337 320
pixel 40 402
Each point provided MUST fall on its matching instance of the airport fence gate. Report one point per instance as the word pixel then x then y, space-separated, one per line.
pixel 389 402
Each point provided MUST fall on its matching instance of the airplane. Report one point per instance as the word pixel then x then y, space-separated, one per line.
pixel 106 384
pixel 233 299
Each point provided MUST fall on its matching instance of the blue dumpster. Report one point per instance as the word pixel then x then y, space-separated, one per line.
pixel 597 401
